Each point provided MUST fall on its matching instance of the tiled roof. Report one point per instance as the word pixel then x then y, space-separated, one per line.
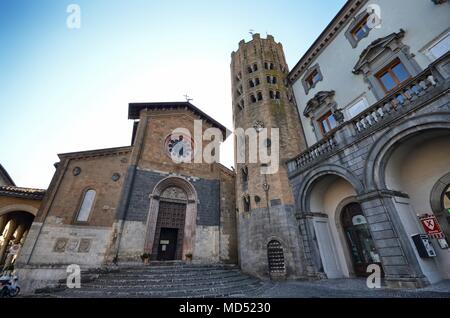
pixel 135 108
pixel 29 193
pixel 4 174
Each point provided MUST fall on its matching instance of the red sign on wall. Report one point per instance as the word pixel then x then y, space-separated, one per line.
pixel 431 226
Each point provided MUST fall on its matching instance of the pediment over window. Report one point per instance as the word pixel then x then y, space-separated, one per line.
pixel 321 98
pixel 376 48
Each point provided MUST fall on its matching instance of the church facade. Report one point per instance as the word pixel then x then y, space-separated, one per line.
pixel 122 205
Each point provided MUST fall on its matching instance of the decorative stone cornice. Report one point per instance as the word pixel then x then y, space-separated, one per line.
pixel 383 193
pixel 319 99
pixel 96 153
pixel 375 48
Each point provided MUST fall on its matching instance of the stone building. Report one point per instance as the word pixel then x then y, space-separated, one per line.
pixel 373 97
pixel 115 205
pixel 265 203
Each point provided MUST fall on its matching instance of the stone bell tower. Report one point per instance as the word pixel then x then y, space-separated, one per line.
pixel 269 239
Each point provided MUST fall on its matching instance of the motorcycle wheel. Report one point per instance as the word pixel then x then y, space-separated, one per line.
pixel 14 293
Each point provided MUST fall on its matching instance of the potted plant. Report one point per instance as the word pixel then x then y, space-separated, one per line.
pixel 188 257
pixel 145 257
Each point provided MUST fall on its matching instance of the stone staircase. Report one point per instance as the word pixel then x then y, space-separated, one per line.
pixel 161 279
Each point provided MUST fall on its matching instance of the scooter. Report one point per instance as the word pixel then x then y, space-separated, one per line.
pixel 9 286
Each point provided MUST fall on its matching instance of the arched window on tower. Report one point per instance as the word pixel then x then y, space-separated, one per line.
pixel 268 65
pixel 244 174
pixel 271 80
pixel 253 98
pixel 277 95
pixel 255 67
pixel 249 69
pixel 260 97
pixel 246 202
pixel 86 206
pixel 257 81
pixel 250 83
pixel 271 95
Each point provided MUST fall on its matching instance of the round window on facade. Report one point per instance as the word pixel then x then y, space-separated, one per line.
pixel 115 177
pixel 179 147
pixel 76 171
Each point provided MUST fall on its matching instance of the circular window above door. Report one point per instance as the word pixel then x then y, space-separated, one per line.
pixel 179 147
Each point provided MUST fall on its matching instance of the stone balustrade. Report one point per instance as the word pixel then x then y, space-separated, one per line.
pixel 395 101
pixel 321 148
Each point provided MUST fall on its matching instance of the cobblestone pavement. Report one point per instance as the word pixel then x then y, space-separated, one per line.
pixel 348 288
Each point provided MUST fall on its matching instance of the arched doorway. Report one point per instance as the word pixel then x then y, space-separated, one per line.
pixel 14 227
pixel 359 240
pixel 172 220
pixel 275 257
pixel 169 234
pixel 323 199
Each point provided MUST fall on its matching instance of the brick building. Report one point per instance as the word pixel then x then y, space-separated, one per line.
pixel 113 206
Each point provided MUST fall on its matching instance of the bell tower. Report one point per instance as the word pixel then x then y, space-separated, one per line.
pixel 269 239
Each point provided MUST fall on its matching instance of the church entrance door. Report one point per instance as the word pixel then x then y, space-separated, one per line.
pixel 167 244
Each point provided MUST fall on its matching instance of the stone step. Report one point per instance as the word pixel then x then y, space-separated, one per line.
pixel 162 269
pixel 236 289
pixel 173 286
pixel 180 274
pixel 149 279
pixel 165 268
pixel 176 280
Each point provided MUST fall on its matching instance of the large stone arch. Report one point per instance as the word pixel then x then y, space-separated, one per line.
pixel 374 176
pixel 18 208
pixel 323 170
pixel 191 212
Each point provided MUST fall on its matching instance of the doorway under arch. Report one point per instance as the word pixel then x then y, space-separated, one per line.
pixel 171 223
pixel 14 227
pixel 359 239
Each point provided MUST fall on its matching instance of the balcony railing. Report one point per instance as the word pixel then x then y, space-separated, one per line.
pixel 312 153
pixel 395 101
pixel 387 109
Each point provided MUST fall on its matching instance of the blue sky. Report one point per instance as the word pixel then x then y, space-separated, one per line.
pixel 65 90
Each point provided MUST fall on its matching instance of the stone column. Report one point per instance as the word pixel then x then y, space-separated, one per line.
pixel 19 231
pixel 12 228
pixel 398 260
pixel 3 222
